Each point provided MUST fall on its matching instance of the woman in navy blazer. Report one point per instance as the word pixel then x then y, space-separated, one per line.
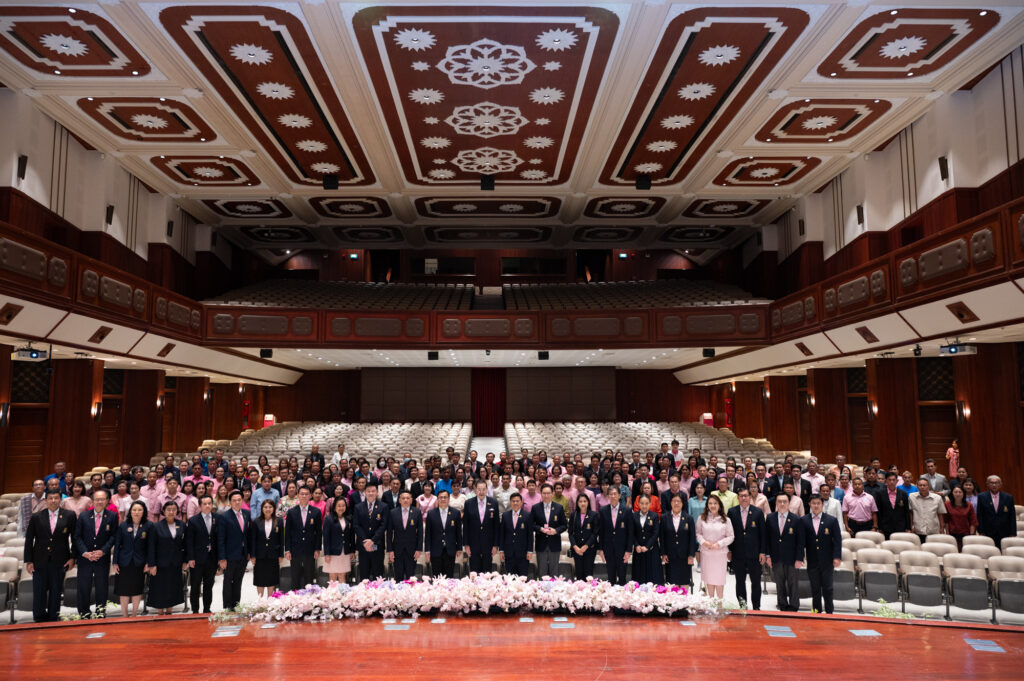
pixel 129 556
pixel 266 549
pixel 339 541
pixel 583 534
pixel 166 561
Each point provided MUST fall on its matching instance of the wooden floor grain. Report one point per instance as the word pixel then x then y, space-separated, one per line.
pixel 501 647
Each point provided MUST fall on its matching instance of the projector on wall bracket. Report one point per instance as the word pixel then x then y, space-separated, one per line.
pixel 957 349
pixel 30 354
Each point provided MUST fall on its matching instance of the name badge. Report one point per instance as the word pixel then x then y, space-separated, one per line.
pixel 826 530
pixel 791 530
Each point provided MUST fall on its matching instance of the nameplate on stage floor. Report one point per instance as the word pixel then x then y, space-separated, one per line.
pixel 560 619
pixel 989 649
pixel 396 627
pixel 526 620
pixel 390 620
pixel 269 625
pixel 563 625
pixel 771 627
pixel 688 623
pixel 864 632
pixel 98 634
pixel 438 620
pixel 409 620
pixel 782 634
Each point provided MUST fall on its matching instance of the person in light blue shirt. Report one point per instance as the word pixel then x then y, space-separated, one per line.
pixel 837 493
pixel 262 493
pixel 697 502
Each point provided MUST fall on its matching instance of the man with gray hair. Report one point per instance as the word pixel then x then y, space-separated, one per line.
pixel 997 517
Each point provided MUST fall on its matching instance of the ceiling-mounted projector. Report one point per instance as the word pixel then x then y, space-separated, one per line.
pixel 957 349
pixel 30 354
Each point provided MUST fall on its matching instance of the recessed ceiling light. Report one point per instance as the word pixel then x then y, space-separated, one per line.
pixel 982 12
pixel 833 74
pixel 163 99
pixel 910 74
pixel 89 98
pixel 56 72
pixel 135 73
pixel 894 12
pixel 72 10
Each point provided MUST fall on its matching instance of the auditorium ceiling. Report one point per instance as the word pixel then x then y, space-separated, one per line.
pixel 241 110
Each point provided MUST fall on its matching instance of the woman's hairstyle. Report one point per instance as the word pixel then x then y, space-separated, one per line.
pixel 707 508
pixel 263 506
pixel 334 506
pixel 585 499
pixel 169 504
pixel 953 499
pixel 140 504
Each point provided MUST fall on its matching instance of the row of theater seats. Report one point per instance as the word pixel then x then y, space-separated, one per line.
pixel 350 295
pixel 581 437
pixel 623 295
pixel 934 573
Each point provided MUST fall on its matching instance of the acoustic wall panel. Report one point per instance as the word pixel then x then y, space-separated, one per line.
pixel 560 394
pixel 415 395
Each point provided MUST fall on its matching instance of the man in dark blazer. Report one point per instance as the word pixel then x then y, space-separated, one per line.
pixel 549 522
pixel 674 489
pixel 95 532
pixel 824 541
pixel 704 478
pixel 303 526
pixel 616 539
pixel 233 548
pixel 48 555
pixel 390 498
pixel 201 554
pixel 404 537
pixel 893 507
pixel 480 523
pixel 747 551
pixel 371 523
pixel 785 539
pixel 515 540
pixel 443 537
pixel 775 484
pixel 997 516
pixel 800 486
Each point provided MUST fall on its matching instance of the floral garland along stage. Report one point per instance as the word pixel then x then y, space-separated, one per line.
pixel 478 593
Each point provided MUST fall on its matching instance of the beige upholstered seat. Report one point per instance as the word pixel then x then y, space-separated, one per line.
pixel 921 577
pixel 905 536
pixel 978 540
pixel 876 537
pixel 980 550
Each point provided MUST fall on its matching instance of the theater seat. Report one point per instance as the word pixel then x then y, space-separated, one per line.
pixel 1014 551
pixel 844 579
pixel 966 582
pixel 856 545
pixel 940 539
pixel 898 547
pixel 939 550
pixel 921 576
pixel 1007 575
pixel 876 537
pixel 905 536
pixel 978 540
pixel 980 550
pixel 1010 542
pixel 878 575
pixel 8 581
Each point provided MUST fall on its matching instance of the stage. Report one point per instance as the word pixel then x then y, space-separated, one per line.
pixel 504 647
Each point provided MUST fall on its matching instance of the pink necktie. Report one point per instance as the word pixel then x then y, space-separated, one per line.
pixel 515 520
pixel 303 516
pixel 615 514
pixel 743 512
pixel 241 523
pixel 99 519
pixel 53 523
pixel 405 518
pixel 815 524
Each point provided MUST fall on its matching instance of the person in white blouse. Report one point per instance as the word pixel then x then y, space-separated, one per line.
pixel 831 505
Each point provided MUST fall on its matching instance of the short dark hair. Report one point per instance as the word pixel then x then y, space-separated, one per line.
pixel 546 485
pixel 52 491
pixel 515 495
pixel 234 493
pixel 891 474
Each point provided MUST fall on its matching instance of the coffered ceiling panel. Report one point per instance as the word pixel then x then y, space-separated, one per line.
pixel 624 207
pixel 148 119
pixel 475 90
pixel 206 171
pixel 350 208
pixel 816 120
pixel 766 171
pixel 476 207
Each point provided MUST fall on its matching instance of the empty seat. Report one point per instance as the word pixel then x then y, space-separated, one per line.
pixel 876 537
pixel 1007 575
pixel 966 582
pixel 978 540
pixel 980 550
pixel 1010 542
pixel 844 578
pixel 1015 551
pixel 856 545
pixel 940 539
pixel 898 547
pixel 878 574
pixel 921 577
pixel 905 536
pixel 938 549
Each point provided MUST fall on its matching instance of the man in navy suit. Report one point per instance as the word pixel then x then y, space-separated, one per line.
pixel 303 525
pixel 785 552
pixel 516 538
pixel 775 484
pixel 997 516
pixel 616 540
pixel 233 548
pixel 549 523
pixel 824 552
pixel 404 537
pixel 673 490
pixel 480 529
pixel 443 537
pixel 48 555
pixel 95 532
pixel 747 551
pixel 201 554
pixel 371 523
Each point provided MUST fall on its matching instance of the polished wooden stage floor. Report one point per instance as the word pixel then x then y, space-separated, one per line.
pixel 758 646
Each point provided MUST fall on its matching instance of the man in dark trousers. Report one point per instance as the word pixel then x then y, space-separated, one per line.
pixel 303 526
pixel 233 548
pixel 371 523
pixel 443 537
pixel 893 507
pixel 824 542
pixel 201 554
pixel 404 537
pixel 785 540
pixel 95 531
pixel 747 551
pixel 549 522
pixel 516 538
pixel 480 529
pixel 48 555
pixel 616 540
pixel 997 516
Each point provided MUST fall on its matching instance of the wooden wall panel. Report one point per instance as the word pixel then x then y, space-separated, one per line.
pixel 74 434
pixel 6 373
pixel 226 399
pixel 990 440
pixel 722 406
pixel 193 417
pixel 317 396
pixel 829 418
pixel 561 394
pixel 143 421
pixel 26 448
pixel 657 396
pixel 803 267
pixel 782 426
pixel 861 448
pixel 892 385
pixel 418 395
pixel 938 429
pixel 749 409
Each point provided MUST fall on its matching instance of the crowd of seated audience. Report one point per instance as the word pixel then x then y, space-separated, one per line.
pixel 651 517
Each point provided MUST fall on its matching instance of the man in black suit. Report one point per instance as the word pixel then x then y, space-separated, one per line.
pixel 95 531
pixel 673 490
pixel 516 538
pixel 316 457
pixel 785 539
pixel 201 554
pixel 800 486
pixel 233 548
pixel 480 523
pixel 404 537
pixel 736 483
pixel 893 507
pixel 775 484
pixel 390 498
pixel 824 553
pixel 443 537
pixel 703 478
pixel 303 525
pixel 616 540
pixel 997 516
pixel 747 551
pixel 371 522
pixel 549 523
pixel 48 555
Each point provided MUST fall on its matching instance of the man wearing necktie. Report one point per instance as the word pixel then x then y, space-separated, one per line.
pixel 747 551
pixel 516 538
pixel 371 523
pixel 785 552
pixel 549 522
pixel 404 537
pixel 48 555
pixel 442 537
pixel 232 537
pixel 94 537
pixel 824 553
pixel 303 526
pixel 480 529
pixel 616 537
pixel 201 554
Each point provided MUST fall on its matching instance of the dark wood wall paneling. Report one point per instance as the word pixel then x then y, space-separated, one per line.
pixel 487 266
pixel 892 386
pixel 644 265
pixel 723 406
pixel 143 421
pixel 802 268
pixel 193 419
pixel 73 432
pixel 658 396
pixel 334 265
pixel 6 374
pixel 761 276
pixel 317 396
pixel 782 423
pixel 748 409
pixel 829 413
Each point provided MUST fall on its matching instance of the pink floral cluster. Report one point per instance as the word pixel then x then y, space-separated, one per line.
pixel 478 593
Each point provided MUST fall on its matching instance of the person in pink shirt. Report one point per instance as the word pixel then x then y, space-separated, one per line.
pixel 580 487
pixel 860 512
pixel 319 502
pixel 953 456
pixel 197 475
pixel 531 496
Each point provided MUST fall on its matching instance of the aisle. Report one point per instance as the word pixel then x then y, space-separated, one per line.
pixel 487 444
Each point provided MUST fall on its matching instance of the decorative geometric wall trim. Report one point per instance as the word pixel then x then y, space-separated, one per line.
pixel 350 208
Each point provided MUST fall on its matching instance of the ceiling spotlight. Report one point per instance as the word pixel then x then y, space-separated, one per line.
pixel 917 350
pixel 135 73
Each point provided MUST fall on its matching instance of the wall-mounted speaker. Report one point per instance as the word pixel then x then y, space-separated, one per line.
pixel 487 183
pixel 707 353
pixel 170 228
pixel 433 355
pixel 801 228
pixel 860 214
pixel 542 355
pixel 266 353
pixel 642 182
pixel 22 166
pixel 943 168
pixel 110 214
pixel 330 182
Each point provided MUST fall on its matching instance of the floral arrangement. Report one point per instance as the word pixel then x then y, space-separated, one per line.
pixel 478 593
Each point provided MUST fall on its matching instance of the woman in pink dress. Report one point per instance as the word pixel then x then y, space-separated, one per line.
pixel 714 535
pixel 319 502
pixel 427 500
pixel 953 456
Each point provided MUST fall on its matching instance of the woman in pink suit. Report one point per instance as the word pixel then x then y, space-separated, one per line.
pixel 714 535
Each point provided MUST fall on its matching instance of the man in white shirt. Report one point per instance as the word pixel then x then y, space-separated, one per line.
pixel 504 492
pixel 339 456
